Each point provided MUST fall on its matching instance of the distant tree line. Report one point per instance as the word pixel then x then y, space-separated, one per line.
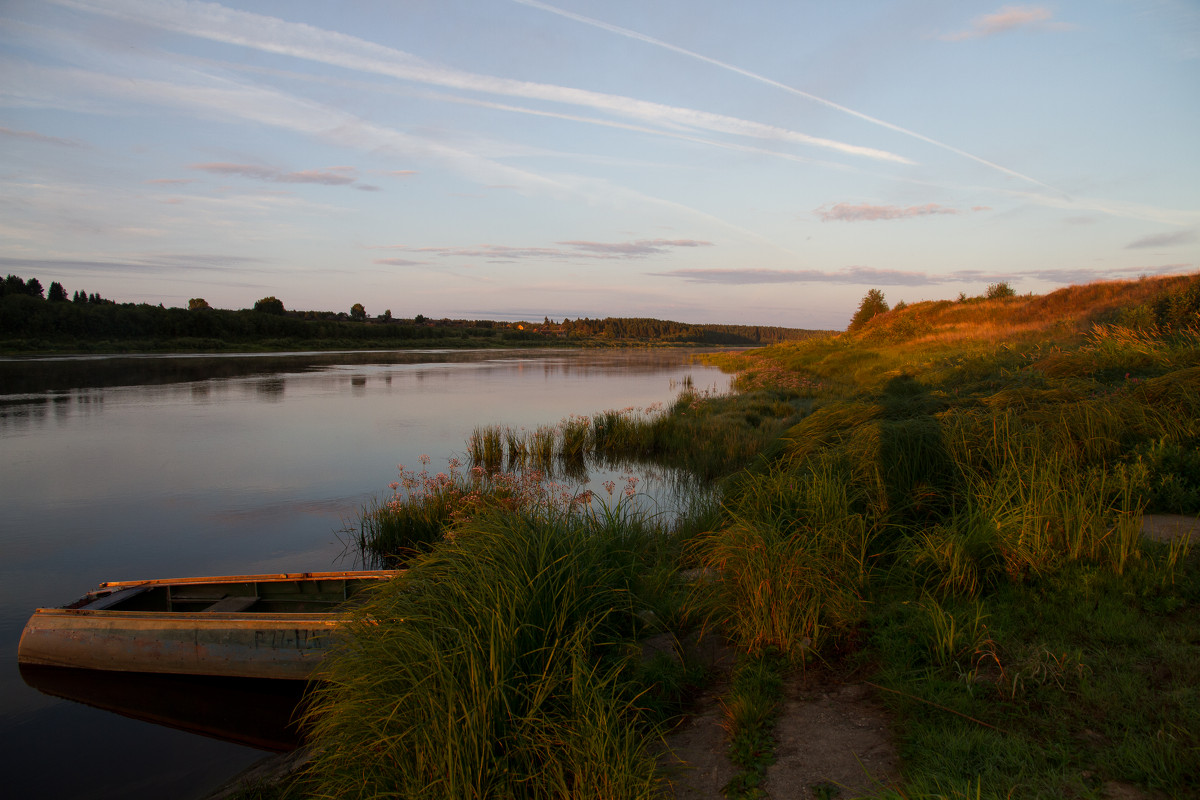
pixel 642 328
pixel 30 318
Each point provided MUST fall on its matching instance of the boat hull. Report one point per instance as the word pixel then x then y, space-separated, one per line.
pixel 234 645
pixel 209 642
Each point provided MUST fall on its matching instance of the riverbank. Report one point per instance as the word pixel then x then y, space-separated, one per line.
pixel 945 507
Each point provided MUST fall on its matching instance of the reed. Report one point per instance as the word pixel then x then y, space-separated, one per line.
pixel 541 448
pixel 497 667
pixel 485 448
pixel 518 449
pixel 956 489
pixel 573 438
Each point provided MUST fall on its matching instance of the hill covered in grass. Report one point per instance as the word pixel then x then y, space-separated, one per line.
pixel 944 506
pixel 959 511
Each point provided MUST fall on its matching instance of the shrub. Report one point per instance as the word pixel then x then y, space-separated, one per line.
pixel 872 305
pixel 998 290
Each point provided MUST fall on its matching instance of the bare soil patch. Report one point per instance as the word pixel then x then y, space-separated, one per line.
pixel 696 762
pixel 831 736
pixel 1167 527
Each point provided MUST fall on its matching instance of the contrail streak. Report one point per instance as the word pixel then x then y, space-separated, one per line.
pixel 641 37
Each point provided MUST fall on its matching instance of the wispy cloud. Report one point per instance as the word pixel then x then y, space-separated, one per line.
pixel 330 176
pixel 204 95
pixel 868 276
pixel 864 212
pixel 849 275
pixel 270 34
pixel 399 262
pixel 147 263
pixel 1162 240
pixel 641 248
pixel 1009 18
pixel 782 86
pixel 34 136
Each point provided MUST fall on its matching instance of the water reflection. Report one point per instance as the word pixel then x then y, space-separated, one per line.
pixel 240 464
pixel 270 389
pixel 255 713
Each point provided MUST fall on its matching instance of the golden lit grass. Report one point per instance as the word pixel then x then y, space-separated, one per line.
pixel 1068 312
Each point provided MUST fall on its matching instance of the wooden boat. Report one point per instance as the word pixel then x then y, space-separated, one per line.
pixel 248 626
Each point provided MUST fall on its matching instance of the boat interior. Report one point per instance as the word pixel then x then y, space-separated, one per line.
pixel 257 597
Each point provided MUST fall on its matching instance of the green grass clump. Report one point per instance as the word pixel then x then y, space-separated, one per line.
pixel 498 666
pixel 964 503
pixel 423 509
pixel 1049 688
pixel 485 447
pixel 751 708
pixel 948 500
pixel 793 557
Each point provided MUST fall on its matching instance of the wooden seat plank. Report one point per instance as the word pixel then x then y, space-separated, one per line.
pixel 232 604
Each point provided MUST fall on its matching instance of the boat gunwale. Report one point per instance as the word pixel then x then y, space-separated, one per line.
pixel 193 617
pixel 267 577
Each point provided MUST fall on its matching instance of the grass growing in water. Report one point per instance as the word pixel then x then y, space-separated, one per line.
pixel 956 490
pixel 501 665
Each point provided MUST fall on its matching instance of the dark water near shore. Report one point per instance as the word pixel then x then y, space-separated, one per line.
pixel 155 466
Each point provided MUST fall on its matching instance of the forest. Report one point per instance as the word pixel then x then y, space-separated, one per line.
pixel 33 319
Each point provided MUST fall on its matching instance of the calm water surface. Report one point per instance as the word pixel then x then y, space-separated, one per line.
pixel 154 466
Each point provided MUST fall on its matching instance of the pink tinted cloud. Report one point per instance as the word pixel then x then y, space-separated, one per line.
pixel 34 136
pixel 638 249
pixel 398 262
pixel 641 248
pixel 848 275
pixel 1007 19
pixel 330 176
pixel 865 212
pixel 1163 240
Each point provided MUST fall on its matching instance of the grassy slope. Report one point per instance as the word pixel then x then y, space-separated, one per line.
pixel 946 501
pixel 960 514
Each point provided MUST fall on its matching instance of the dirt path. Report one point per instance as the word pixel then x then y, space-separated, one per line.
pixel 831 735
pixel 1165 527
pixel 697 763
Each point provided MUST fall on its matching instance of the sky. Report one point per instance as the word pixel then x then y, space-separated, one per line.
pixel 708 162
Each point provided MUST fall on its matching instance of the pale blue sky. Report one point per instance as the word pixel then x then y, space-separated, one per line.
pixel 749 162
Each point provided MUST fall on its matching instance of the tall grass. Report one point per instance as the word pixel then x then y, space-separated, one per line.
pixel 497 667
pixel 925 485
pixel 424 508
pixel 794 561
pixel 951 469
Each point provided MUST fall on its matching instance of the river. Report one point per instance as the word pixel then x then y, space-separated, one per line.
pixel 132 467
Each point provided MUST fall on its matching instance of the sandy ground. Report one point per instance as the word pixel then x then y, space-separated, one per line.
pixel 1165 527
pixel 832 736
